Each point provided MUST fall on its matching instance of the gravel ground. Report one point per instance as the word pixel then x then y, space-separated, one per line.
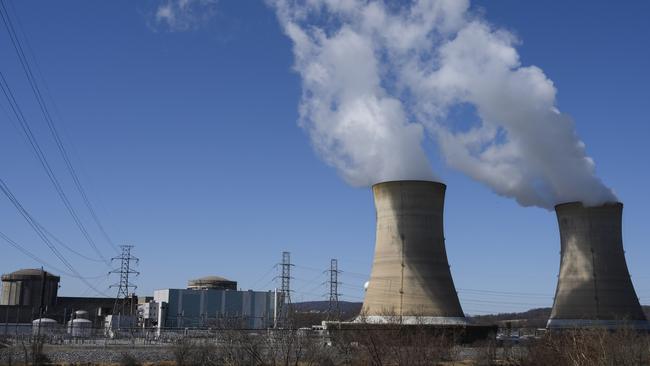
pixel 155 354
pixel 93 355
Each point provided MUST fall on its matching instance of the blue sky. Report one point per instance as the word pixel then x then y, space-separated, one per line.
pixel 188 145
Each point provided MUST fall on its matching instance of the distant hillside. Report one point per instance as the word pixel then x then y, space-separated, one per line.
pixel 352 309
pixel 310 313
pixel 530 318
pixel 348 309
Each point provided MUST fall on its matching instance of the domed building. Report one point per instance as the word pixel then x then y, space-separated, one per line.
pixel 212 283
pixel 25 286
pixel 20 300
pixel 210 301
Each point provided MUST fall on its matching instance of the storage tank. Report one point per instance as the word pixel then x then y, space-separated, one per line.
pixel 80 328
pixel 24 287
pixel 410 282
pixel 45 327
pixel 594 288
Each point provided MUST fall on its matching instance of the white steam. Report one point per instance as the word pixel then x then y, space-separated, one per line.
pixel 353 122
pixel 377 75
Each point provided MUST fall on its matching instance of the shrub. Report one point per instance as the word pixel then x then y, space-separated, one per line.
pixel 183 349
pixel 127 359
pixel 589 347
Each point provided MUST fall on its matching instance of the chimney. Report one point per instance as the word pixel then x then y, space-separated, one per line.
pixel 410 281
pixel 594 288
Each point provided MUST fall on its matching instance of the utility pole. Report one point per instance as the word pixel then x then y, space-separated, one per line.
pixel 283 303
pixel 333 309
pixel 123 287
pixel 41 308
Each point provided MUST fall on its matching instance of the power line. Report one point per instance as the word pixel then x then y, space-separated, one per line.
pixel 44 162
pixel 64 245
pixel 356 274
pixel 268 283
pixel 96 283
pixel 355 287
pixel 497 302
pixel 30 220
pixel 26 252
pixel 311 285
pixel 514 294
pixel 308 268
pixel 48 118
pixel 310 281
pixel 264 276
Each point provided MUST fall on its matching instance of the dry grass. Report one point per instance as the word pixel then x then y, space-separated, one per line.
pixel 401 346
pixel 589 347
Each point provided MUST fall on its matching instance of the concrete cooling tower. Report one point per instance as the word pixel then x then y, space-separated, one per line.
pixel 594 288
pixel 410 282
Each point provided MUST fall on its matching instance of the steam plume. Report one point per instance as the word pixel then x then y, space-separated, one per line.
pixel 378 75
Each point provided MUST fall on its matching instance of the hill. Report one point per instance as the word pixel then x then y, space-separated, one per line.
pixel 531 318
pixel 348 309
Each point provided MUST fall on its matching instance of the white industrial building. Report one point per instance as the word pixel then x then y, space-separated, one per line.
pixel 213 304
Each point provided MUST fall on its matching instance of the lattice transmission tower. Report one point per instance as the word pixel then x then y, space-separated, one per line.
pixel 284 299
pixel 333 309
pixel 124 285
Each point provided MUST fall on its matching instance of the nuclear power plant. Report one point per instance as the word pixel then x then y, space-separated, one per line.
pixel 411 282
pixel 594 286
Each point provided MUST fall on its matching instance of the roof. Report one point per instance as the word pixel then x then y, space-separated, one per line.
pixel 80 320
pixel 211 279
pixel 44 320
pixel 27 273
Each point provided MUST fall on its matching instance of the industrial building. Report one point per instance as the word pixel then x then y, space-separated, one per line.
pixel 27 287
pixel 594 288
pixel 22 291
pixel 209 302
pixel 148 313
pixel 411 282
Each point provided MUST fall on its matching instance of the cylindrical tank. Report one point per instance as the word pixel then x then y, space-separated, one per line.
pixel 410 280
pixel 24 287
pixel 81 328
pixel 81 314
pixel 594 288
pixel 45 326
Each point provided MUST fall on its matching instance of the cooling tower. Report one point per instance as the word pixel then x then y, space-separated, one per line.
pixel 594 288
pixel 410 282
